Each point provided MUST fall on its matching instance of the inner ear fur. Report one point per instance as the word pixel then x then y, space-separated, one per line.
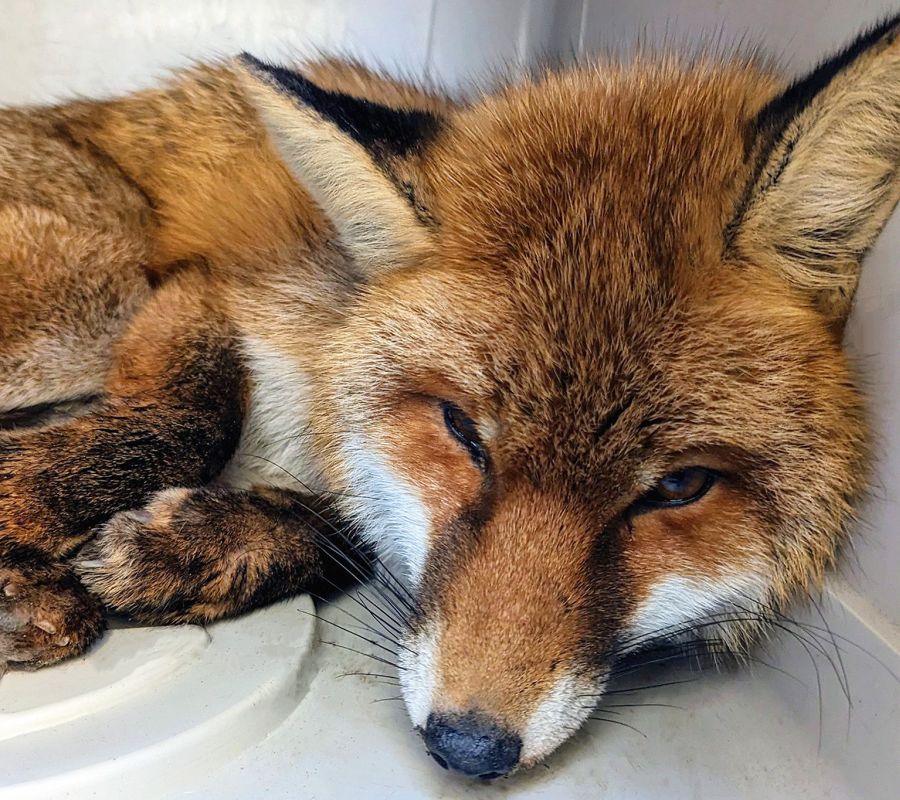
pixel 827 152
pixel 356 157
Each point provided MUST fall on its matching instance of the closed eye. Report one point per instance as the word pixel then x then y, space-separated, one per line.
pixel 462 428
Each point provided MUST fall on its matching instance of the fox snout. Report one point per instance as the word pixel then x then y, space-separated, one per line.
pixel 496 675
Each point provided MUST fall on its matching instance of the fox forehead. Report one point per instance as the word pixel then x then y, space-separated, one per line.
pixel 638 169
pixel 581 390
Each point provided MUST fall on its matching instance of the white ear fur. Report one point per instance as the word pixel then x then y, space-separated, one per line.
pixel 375 224
pixel 829 180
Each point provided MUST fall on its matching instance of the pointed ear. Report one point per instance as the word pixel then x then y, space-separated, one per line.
pixel 827 154
pixel 349 155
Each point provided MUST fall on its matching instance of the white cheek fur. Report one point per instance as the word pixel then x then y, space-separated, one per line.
pixel 679 599
pixel 394 520
pixel 275 448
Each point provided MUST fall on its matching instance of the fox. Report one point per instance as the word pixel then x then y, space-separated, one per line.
pixel 567 351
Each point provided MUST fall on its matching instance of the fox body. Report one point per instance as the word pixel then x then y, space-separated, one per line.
pixel 569 352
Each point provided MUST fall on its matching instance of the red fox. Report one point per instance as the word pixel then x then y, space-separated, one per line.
pixel 569 352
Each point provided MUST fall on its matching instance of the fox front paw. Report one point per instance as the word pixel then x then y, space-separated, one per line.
pixel 46 614
pixel 168 562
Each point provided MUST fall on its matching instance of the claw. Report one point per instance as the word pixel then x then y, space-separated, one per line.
pixel 44 625
pixel 10 590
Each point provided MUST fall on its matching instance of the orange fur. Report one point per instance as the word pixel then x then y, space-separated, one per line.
pixel 617 272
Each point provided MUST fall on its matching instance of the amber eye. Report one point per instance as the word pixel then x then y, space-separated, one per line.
pixel 680 488
pixel 462 428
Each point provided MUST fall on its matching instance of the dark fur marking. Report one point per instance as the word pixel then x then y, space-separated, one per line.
pixel 766 130
pixel 116 456
pixel 611 598
pixel 64 134
pixel 837 233
pixel 802 254
pixel 563 378
pixel 611 419
pixel 29 416
pixel 422 212
pixel 383 131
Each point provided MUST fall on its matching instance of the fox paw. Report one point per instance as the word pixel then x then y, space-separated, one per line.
pixel 164 563
pixel 46 615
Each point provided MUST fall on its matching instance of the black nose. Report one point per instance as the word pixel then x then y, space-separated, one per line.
pixel 472 744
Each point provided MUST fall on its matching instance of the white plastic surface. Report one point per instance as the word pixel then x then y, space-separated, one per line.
pixel 754 734
pixel 253 714
pixel 151 708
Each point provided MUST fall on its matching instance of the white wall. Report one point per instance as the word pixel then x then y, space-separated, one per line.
pixel 51 49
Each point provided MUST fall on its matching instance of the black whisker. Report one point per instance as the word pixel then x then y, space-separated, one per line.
pixel 393 664
pixel 642 688
pixel 353 633
pixel 395 621
pixel 387 631
pixel 619 722
pixel 366 675
pixel 410 602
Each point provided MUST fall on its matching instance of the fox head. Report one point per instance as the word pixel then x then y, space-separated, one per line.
pixel 590 387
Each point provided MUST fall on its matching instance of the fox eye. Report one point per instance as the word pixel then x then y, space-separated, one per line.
pixel 462 428
pixel 680 488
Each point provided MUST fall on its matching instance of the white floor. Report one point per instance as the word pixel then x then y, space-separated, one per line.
pixel 753 734
pixel 262 708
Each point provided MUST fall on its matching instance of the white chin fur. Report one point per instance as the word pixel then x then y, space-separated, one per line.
pixel 418 674
pixel 558 715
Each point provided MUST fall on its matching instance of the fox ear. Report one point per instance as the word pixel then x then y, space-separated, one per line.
pixel 826 180
pixel 346 152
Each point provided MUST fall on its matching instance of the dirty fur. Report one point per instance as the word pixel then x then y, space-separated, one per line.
pixel 273 282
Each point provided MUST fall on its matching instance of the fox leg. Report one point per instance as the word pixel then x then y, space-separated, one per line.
pixel 170 416
pixel 197 555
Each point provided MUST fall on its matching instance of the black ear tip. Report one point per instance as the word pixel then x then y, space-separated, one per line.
pixel 252 62
pixel 775 116
pixel 890 22
pixel 282 78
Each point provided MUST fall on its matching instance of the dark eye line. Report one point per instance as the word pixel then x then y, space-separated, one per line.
pixel 463 429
